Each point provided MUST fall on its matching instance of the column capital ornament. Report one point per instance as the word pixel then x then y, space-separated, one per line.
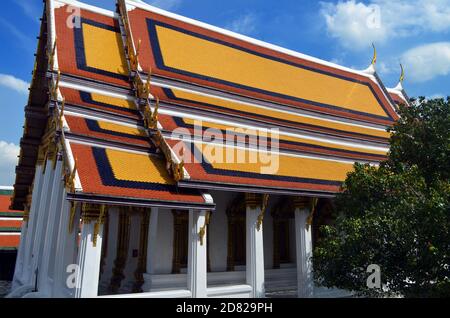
pixel 73 210
pixel 202 231
pixel 301 202
pixel 94 212
pixel 252 200
pixel 26 213
pixel 41 156
pixel 265 200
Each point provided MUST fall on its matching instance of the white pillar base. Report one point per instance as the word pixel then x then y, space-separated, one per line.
pixel 254 253
pixel 25 278
pixel 54 214
pixel 197 265
pixel 89 257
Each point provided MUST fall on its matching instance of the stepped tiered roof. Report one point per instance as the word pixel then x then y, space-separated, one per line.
pixel 121 95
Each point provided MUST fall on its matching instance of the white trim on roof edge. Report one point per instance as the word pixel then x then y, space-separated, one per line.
pixel 133 4
pixel 368 73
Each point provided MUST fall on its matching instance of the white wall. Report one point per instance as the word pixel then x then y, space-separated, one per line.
pixel 218 232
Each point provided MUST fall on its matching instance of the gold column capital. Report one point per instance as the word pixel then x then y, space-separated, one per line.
pixel 93 212
pixel 41 156
pixel 252 200
pixel 301 202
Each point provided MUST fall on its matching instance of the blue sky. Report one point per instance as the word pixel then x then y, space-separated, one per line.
pixel 414 32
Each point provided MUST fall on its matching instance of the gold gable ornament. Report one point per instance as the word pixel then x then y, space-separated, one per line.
pixel 151 118
pixel 51 56
pixel 54 92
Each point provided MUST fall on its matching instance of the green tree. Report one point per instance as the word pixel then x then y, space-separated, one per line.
pixel 396 215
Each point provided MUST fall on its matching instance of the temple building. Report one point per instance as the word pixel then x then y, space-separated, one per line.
pixel 10 228
pixel 165 157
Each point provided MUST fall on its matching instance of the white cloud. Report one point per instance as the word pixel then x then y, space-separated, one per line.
pixel 387 68
pixel 428 61
pixel 357 24
pixel 245 24
pixel 14 83
pixel 165 4
pixel 8 162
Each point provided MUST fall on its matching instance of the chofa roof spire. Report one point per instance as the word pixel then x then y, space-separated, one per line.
pixel 399 86
pixel 371 69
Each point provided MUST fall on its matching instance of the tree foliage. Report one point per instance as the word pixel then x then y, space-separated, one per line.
pixel 396 215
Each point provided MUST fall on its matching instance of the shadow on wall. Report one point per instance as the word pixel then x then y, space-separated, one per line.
pixel 7 263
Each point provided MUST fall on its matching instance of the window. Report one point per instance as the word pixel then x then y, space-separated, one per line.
pixel 236 233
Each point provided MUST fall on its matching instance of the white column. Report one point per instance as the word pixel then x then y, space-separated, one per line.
pixel 152 241
pixel 89 257
pixel 31 224
pixel 20 257
pixel 66 247
pixel 197 270
pixel 254 247
pixel 42 218
pixel 303 242
pixel 54 214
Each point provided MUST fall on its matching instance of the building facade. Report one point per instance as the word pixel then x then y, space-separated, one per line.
pixel 164 157
pixel 10 228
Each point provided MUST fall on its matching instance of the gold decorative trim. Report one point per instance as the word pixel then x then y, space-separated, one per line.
pixel 133 55
pixel 300 202
pixel 41 156
pixel 263 210
pixel 312 208
pixel 94 213
pixel 202 232
pixel 176 169
pixel 26 213
pixel 73 210
pixel 252 200
pixel 51 55
pixel 70 179
pixel 151 118
pixel 54 91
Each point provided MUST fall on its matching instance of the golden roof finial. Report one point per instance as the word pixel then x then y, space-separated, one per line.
pixel 402 74
pixel 374 58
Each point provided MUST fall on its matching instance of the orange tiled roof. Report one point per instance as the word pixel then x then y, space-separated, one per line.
pixel 187 51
